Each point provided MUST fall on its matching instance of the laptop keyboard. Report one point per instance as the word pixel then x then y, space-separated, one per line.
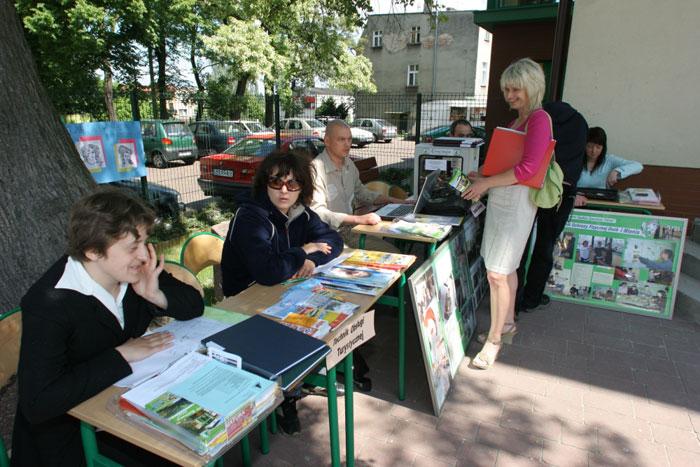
pixel 402 210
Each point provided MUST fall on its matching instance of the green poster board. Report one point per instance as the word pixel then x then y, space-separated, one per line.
pixel 624 262
pixel 446 292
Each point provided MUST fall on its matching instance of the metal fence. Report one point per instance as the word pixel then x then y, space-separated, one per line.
pixel 173 161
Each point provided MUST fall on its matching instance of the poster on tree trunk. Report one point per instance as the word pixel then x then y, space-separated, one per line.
pixel 111 151
pixel 624 262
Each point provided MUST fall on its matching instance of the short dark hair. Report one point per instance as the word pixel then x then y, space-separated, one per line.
pixel 457 122
pixel 295 162
pixel 596 135
pixel 100 219
pixel 669 253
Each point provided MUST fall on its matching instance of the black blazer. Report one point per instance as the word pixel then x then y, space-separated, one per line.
pixel 68 355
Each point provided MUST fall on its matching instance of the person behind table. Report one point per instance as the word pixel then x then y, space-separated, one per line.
pixel 461 128
pixel 83 323
pixel 510 213
pixel 600 169
pixel 275 236
pixel 337 187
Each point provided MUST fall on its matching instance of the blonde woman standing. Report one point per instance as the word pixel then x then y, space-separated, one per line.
pixel 510 213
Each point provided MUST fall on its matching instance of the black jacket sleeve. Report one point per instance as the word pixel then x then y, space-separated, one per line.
pixel 184 301
pixel 319 231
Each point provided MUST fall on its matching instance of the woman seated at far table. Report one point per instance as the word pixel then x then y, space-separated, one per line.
pixel 275 236
pixel 602 170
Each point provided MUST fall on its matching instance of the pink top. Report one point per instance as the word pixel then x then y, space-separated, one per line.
pixel 539 134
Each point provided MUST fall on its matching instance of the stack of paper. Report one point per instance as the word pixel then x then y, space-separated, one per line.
pixel 368 281
pixel 422 229
pixel 643 196
pixel 378 260
pixel 200 402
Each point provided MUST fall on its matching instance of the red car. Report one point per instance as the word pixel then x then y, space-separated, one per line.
pixel 232 171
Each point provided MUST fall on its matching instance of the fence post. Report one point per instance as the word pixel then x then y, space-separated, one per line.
pixel 136 116
pixel 278 139
pixel 419 98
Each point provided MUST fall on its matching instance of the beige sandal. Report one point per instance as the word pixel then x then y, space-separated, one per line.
pixel 485 358
pixel 509 331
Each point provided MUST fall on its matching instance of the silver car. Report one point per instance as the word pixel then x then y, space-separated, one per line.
pixel 381 129
pixel 360 137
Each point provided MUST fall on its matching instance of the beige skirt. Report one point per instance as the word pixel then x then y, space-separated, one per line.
pixel 509 218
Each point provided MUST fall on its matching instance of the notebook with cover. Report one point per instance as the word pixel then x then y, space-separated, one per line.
pixel 505 151
pixel 395 210
pixel 270 349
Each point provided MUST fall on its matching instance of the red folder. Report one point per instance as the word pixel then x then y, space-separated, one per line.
pixel 506 150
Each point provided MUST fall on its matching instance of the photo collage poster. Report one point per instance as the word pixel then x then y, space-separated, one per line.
pixel 624 262
pixel 444 303
pixel 111 151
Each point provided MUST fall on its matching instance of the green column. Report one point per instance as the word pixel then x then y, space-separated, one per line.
pixel 349 414
pixel 333 415
pixel 402 338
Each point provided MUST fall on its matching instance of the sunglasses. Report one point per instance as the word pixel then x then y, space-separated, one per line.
pixel 276 183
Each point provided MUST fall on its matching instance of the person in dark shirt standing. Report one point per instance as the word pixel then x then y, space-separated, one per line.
pixel 570 132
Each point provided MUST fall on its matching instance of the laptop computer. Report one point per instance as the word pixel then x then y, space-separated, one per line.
pixel 604 194
pixel 395 210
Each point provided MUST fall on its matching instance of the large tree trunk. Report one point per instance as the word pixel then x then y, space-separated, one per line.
pixel 41 172
pixel 241 87
pixel 269 104
pixel 161 55
pixel 197 79
pixel 109 91
pixel 152 78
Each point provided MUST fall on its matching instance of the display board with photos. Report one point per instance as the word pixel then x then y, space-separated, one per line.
pixel 446 291
pixel 624 262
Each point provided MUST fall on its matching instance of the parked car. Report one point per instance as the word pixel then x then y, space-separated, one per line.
pixel 252 126
pixel 165 141
pixel 443 130
pixel 232 171
pixel 164 200
pixel 381 129
pixel 360 137
pixel 302 126
pixel 214 136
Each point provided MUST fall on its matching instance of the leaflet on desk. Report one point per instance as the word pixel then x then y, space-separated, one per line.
pixel 187 338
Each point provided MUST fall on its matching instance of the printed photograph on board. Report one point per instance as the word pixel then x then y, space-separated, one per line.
pixel 92 152
pixel 125 155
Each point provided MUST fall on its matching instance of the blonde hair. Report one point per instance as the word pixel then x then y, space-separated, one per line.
pixel 528 75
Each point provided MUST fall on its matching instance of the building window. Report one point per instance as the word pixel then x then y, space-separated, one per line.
pixel 415 35
pixel 484 73
pixel 487 36
pixel 412 76
pixel 377 39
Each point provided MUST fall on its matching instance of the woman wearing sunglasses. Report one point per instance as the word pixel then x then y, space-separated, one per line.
pixel 275 236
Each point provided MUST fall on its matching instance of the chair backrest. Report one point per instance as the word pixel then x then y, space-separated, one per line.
pixel 397 192
pixel 200 250
pixel 10 335
pixel 379 187
pixel 183 274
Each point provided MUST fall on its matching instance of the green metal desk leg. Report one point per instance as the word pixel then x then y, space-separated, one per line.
pixel 92 453
pixel 264 437
pixel 362 241
pixel 245 451
pixel 402 338
pixel 349 414
pixel 273 423
pixel 216 463
pixel 4 460
pixel 333 415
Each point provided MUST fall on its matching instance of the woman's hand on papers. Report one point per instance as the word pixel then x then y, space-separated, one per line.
pixel 137 349
pixel 147 286
pixel 580 201
pixel 307 269
pixel 313 247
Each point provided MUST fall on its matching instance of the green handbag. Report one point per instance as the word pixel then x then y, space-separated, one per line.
pixel 552 189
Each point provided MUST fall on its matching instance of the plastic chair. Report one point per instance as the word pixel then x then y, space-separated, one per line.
pixel 397 192
pixel 180 273
pixel 200 250
pixel 10 333
pixel 378 186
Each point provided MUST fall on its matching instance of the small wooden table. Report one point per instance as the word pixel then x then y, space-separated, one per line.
pixel 623 207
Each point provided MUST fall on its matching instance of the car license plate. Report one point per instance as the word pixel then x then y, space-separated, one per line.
pixel 222 173
pixel 186 153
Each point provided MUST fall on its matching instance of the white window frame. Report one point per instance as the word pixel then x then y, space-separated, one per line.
pixel 412 76
pixel 415 34
pixel 484 73
pixel 377 37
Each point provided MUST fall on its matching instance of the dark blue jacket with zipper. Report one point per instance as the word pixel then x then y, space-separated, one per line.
pixel 263 245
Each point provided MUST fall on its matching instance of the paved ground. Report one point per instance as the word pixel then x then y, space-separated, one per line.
pixel 579 386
